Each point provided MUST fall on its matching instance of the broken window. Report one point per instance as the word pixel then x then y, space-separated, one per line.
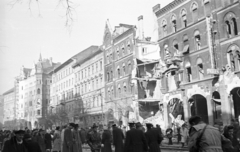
pixel 164 27
pixel 197 38
pixel 200 68
pixel 174 23
pixel 184 17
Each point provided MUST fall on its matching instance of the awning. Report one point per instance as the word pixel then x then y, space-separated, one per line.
pixel 185 49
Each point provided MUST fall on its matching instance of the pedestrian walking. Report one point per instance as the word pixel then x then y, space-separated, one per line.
pixel 31 145
pixel 83 135
pixel 68 139
pixel 118 138
pixel 48 141
pixel 56 140
pixel 135 140
pixel 229 134
pixel 106 140
pixel 77 144
pixel 203 137
pixel 94 139
pixel 15 143
pixel 153 138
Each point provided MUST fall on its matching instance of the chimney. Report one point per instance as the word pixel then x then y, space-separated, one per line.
pixel 140 27
pixel 156 8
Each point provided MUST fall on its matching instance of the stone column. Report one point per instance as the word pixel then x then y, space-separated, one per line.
pixel 166 114
pixel 225 106
pixel 210 110
pixel 186 108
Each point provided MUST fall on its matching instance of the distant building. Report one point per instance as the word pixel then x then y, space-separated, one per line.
pixel 1 109
pixel 89 86
pixel 118 46
pixel 34 92
pixel 9 114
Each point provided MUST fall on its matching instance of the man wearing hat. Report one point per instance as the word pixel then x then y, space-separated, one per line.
pixel 67 143
pixel 118 138
pixel 135 140
pixel 16 143
pixel 153 137
pixel 31 145
pixel 94 139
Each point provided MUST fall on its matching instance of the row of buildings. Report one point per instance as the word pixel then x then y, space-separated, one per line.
pixel 189 66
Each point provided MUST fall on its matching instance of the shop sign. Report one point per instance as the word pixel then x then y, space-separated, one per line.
pixel 213 71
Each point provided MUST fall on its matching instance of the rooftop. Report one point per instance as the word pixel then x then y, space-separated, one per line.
pixel 9 91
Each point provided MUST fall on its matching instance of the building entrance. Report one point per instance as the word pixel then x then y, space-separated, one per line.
pixel 235 94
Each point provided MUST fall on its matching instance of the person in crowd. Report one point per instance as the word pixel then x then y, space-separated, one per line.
pixel 63 146
pixel 48 141
pixel 124 130
pixel 40 139
pixel 94 139
pixel 118 138
pixel 135 140
pixel 31 145
pixel 139 126
pixel 203 137
pixel 56 140
pixel 77 144
pixel 106 140
pixel 83 135
pixel 169 135
pixel 184 134
pixel 68 139
pixel 229 134
pixel 15 143
pixel 153 138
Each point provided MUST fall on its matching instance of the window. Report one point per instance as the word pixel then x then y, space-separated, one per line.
pixel 39 112
pixel 188 72
pixel 231 24
pixel 112 92
pixel 85 72
pixel 184 17
pixel 128 46
pixel 144 50
pixel 93 84
pixel 110 56
pixel 109 93
pixel 194 8
pixel 175 46
pixel 85 87
pixel 88 71
pixel 125 87
pixel 100 65
pixel 111 74
pixel 108 77
pixel 97 67
pixel 96 83
pixel 166 52
pixel 197 38
pixel 118 72
pixel 233 57
pixel 123 50
pixel 124 69
pixel 174 23
pixel 200 68
pixel 38 91
pixel 117 52
pixel 89 85
pixel 107 58
pixel 129 67
pixel 164 27
pixel 92 69
pixel 206 2
pixel 186 44
pixel 119 90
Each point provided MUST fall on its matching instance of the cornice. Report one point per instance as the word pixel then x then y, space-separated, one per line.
pixel 168 7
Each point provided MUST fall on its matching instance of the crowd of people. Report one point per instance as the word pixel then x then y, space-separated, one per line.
pixel 201 137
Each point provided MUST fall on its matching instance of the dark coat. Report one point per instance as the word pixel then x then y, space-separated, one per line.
pixel 94 140
pixel 12 146
pixel 41 142
pixel 48 141
pixel 106 141
pixel 67 140
pixel 153 140
pixel 118 139
pixel 135 141
pixel 33 146
pixel 83 135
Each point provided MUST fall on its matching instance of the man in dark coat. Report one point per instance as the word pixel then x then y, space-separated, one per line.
pixel 106 140
pixel 135 140
pixel 153 138
pixel 31 145
pixel 68 139
pixel 16 143
pixel 118 138
pixel 94 139
pixel 48 141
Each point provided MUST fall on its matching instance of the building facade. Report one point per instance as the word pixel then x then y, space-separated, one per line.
pixel 89 86
pixel 34 92
pixel 118 46
pixel 9 104
pixel 199 51
pixel 1 110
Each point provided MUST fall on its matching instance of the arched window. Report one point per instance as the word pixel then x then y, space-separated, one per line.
pixel 125 87
pixel 231 24
pixel 110 56
pixel 38 91
pixel 174 23
pixel 175 46
pixel 129 46
pixel 124 69
pixel 107 58
pixel 123 49
pixel 166 51
pixel 186 44
pixel 233 57
pixel 194 6
pixel 194 9
pixel 129 67
pixel 197 39
pixel 109 93
pixel 118 72
pixel 164 27
pixel 119 90
pixel 200 68
pixel 188 71
pixel 117 53
pixel 184 17
pixel 112 91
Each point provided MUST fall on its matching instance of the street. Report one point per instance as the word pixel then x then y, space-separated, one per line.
pixel 88 150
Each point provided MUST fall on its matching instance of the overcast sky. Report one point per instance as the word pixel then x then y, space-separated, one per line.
pixel 24 33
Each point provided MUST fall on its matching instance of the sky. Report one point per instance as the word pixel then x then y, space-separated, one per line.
pixel 28 30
